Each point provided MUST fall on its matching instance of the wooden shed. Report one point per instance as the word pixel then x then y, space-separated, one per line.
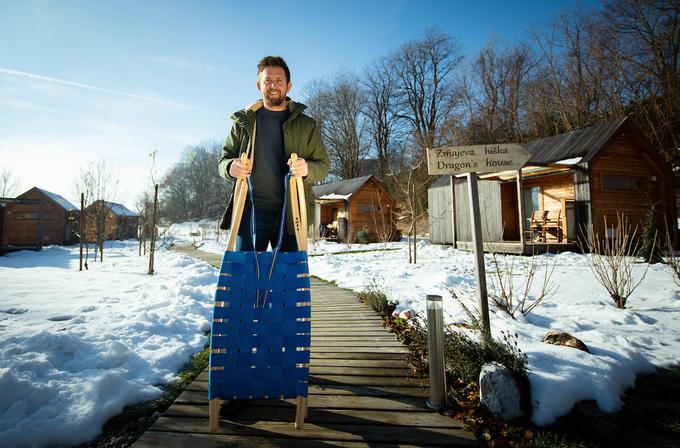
pixel 37 218
pixel 116 221
pixel 571 181
pixel 348 207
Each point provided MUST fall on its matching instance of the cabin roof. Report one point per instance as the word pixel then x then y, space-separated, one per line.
pixel 442 181
pixel 57 199
pixel 341 188
pixel 584 143
pixel 120 209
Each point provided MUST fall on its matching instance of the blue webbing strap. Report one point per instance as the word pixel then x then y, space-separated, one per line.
pixel 282 225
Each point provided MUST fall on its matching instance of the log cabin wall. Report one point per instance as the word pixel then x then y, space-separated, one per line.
pixel 21 222
pixel 556 191
pixel 110 226
pixel 371 209
pixel 628 178
pixel 553 187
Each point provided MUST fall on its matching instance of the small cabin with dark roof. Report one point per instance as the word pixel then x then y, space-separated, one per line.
pixel 117 221
pixel 37 218
pixel 572 181
pixel 348 207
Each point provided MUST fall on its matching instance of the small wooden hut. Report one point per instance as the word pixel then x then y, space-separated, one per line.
pixel 572 181
pixel 346 208
pixel 116 221
pixel 37 218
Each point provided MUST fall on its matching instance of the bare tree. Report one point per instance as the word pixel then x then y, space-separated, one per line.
pixel 193 189
pixel 8 183
pixel 143 207
pixel 427 95
pixel 670 256
pixel 644 38
pixel 496 94
pixel 511 297
pixel 427 92
pixel 339 105
pixel 613 257
pixel 98 182
pixel 380 83
pixel 408 185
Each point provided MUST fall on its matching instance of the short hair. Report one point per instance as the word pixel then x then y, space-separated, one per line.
pixel 273 61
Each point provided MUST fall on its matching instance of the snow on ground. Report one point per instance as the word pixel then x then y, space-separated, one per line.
pixel 76 347
pixel 623 342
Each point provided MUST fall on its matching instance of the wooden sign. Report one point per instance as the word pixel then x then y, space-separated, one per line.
pixel 477 158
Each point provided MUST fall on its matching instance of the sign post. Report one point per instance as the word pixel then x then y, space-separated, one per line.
pixel 471 160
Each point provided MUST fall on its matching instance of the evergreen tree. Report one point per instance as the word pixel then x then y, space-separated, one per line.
pixel 649 249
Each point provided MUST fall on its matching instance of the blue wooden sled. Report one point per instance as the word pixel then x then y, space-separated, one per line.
pixel 261 328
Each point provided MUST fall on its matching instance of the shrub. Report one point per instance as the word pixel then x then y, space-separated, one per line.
pixel 363 237
pixel 649 249
pixel 376 298
pixel 511 299
pixel 612 259
pixel 465 355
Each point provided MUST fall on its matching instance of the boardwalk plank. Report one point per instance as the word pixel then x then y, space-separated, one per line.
pixel 153 439
pixel 340 432
pixel 319 415
pixel 360 393
pixel 344 389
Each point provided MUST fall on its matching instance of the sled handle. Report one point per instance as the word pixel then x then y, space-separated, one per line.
pixel 299 208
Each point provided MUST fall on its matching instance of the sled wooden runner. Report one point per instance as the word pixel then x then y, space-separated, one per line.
pixel 298 208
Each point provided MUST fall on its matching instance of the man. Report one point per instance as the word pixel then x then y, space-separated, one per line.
pixel 279 128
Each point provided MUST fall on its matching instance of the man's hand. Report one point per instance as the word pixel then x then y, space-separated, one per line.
pixel 239 169
pixel 298 168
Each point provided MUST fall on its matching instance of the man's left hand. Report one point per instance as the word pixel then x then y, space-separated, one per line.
pixel 298 168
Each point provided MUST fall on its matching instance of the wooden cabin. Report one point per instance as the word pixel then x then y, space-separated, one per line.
pixel 117 221
pixel 571 181
pixel 37 218
pixel 347 207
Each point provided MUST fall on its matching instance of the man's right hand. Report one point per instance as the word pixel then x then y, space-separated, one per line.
pixel 239 169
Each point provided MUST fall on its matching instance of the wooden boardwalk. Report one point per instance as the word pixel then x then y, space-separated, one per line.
pixel 361 393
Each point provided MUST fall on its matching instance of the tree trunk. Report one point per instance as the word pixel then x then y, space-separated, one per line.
pixel 153 229
pixel 80 227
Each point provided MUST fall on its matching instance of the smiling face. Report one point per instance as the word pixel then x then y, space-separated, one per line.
pixel 274 86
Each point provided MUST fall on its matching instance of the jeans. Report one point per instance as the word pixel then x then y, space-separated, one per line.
pixel 266 232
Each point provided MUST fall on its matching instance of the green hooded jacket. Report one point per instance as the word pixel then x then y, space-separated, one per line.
pixel 300 136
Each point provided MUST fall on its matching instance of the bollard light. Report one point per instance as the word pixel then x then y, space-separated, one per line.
pixel 435 349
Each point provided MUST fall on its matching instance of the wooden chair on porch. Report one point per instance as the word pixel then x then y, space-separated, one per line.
pixel 537 225
pixel 553 224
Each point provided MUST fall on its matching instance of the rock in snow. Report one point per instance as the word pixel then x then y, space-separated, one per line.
pixel 565 339
pixel 498 391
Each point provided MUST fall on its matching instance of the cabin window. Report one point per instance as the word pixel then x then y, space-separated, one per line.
pixel 532 201
pixel 30 216
pixel 622 183
pixel 366 208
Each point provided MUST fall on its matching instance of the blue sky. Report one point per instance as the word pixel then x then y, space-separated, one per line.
pixel 81 80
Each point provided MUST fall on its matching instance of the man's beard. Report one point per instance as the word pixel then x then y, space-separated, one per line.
pixel 275 100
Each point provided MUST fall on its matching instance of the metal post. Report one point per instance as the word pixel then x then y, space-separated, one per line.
pixel 479 251
pixel 435 350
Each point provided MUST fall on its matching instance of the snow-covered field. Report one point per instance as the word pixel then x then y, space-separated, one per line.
pixel 75 347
